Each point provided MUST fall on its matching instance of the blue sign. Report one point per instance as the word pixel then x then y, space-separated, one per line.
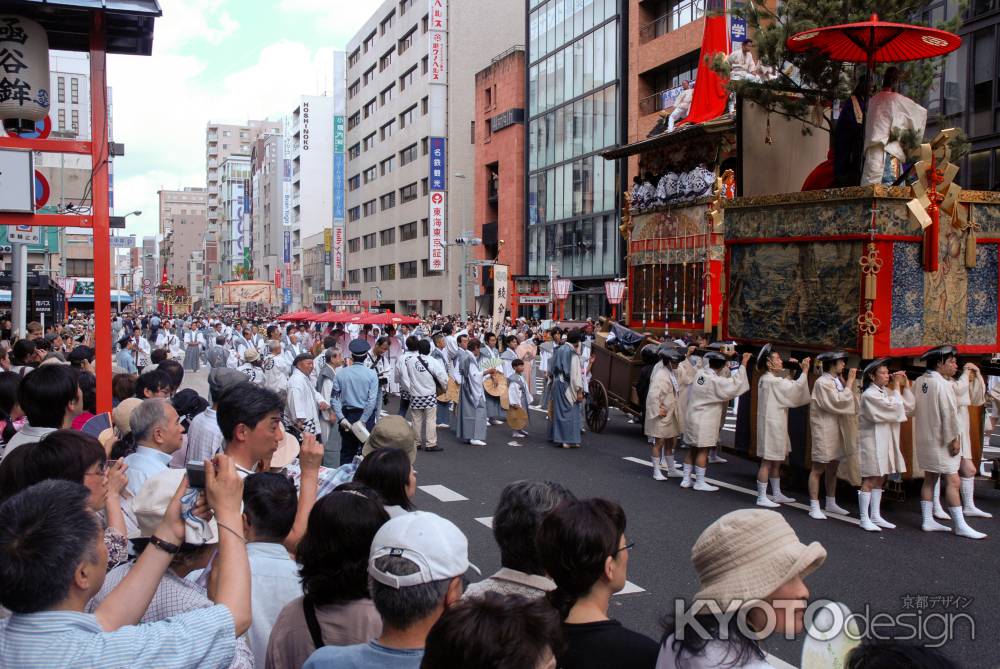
pixel 288 247
pixel 438 167
pixel 338 187
pixel 286 295
pixel 737 29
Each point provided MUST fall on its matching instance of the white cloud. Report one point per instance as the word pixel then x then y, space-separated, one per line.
pixel 186 21
pixel 342 18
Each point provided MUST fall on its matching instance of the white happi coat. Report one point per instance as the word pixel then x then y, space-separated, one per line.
pixel 935 424
pixel 879 417
pixel 775 396
pixel 831 414
pixel 664 394
pixel 709 395
pixel 967 393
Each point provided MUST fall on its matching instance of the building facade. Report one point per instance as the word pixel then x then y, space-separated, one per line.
pixel 576 79
pixel 499 165
pixel 234 220
pixel 183 223
pixel 266 181
pixel 410 146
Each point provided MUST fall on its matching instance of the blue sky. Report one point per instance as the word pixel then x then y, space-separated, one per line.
pixel 221 61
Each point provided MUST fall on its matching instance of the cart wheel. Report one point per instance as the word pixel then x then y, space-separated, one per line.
pixel 597 407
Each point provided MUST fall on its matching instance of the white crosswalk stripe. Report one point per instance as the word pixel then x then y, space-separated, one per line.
pixel 485 520
pixel 443 493
pixel 748 491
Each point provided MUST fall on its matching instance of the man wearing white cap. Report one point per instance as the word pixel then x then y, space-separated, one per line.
pixel 775 396
pixel 415 572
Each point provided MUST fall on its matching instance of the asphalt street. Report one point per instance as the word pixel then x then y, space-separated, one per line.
pixel 895 572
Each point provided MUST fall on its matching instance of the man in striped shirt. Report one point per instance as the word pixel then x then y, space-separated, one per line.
pixel 53 560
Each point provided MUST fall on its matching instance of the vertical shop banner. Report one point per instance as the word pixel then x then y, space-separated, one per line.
pixel 438 200
pixel 236 226
pixel 437 80
pixel 438 165
pixel 286 183
pixel 335 255
pixel 500 295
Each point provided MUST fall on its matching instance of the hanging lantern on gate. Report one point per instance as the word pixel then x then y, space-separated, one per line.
pixel 24 73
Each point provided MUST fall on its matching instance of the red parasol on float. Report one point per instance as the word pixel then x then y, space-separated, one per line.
pixel 389 318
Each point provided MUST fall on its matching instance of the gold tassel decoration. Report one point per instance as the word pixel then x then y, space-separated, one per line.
pixel 708 314
pixel 871 264
pixel 867 326
pixel 970 249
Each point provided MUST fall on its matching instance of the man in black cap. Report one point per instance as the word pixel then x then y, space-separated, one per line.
pixel 832 415
pixel 937 439
pixel 355 391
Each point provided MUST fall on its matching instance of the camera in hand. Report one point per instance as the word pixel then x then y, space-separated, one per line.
pixel 196 474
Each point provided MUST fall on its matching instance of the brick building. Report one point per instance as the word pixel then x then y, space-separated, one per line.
pixel 498 167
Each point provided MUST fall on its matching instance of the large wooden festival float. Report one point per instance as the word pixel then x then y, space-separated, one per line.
pixel 850 268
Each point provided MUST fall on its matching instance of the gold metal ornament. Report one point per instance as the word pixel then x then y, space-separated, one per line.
pixel 871 264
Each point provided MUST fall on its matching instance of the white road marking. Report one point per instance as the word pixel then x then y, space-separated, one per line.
pixel 748 491
pixel 485 520
pixel 513 443
pixel 442 493
pixel 630 589
pixel 777 662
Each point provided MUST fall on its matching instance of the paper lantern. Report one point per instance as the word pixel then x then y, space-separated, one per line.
pixel 24 73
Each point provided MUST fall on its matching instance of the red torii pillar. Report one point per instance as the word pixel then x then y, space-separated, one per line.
pixel 99 219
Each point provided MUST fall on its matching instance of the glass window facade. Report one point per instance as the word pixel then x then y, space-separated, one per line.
pixel 574 104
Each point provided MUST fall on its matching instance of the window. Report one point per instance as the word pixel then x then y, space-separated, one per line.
pixel 408 231
pixel 353 214
pixel 424 146
pixel 404 5
pixel 424 189
pixel 354 245
pixel 353 120
pixel 370 174
pixel 61 85
pixel 488 98
pixel 406 41
pixel 353 59
pixel 386 130
pixel 354 89
pixel 423 65
pixel 354 151
pixel 369 141
pixel 407 78
pixel 369 241
pixel 369 75
pixel 425 268
pixel 425 228
pixel 388 201
pixel 424 22
pixel 369 274
pixel 408 270
pixel 75 120
pixel 387 236
pixel 408 155
pixel 369 207
pixel 387 23
pixel 387 272
pixel 74 90
pixel 408 193
pixel 79 267
pixel 386 95
pixel 370 107
pixel 353 276
pixel 424 105
pixel 369 42
pixel 385 61
pixel 407 117
pixel 62 119
pixel 472 132
pixel 354 182
pixel 385 167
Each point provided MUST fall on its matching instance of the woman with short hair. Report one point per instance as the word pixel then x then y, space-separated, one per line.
pixel 388 472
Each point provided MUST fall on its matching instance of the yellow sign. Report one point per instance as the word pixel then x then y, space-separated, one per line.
pixel 327 240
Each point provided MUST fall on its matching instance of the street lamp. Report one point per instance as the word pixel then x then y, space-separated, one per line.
pixel 117 223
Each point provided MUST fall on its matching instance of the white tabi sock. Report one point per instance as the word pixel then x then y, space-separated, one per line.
pixel 968 499
pixel 939 511
pixel 962 528
pixel 776 491
pixel 864 500
pixel 876 510
pixel 700 483
pixel 657 474
pixel 833 507
pixel 928 523
pixel 762 499
pixel 814 510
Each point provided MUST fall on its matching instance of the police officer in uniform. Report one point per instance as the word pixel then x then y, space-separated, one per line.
pixel 354 398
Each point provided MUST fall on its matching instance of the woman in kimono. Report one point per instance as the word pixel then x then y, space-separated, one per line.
pixel 489 358
pixel 831 414
pixel 566 394
pixel 776 394
pixel 664 420
pixel 193 343
pixel 470 415
pixel 886 401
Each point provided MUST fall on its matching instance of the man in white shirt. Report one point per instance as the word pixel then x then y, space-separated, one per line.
pixel 304 402
pixel 276 369
pixel 157 430
pixel 743 67
pixel 204 435
pixel 269 508
pixel 682 105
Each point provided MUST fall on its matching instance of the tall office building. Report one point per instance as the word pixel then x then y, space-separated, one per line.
pixel 183 224
pixel 266 182
pixel 575 83
pixel 234 221
pixel 410 113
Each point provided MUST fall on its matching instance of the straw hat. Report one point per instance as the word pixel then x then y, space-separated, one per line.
pixel 392 432
pixel 122 414
pixel 748 554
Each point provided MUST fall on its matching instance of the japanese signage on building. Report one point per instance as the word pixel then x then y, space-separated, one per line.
pixel 438 164
pixel 236 215
pixel 286 185
pixel 500 294
pixel 335 256
pixel 438 200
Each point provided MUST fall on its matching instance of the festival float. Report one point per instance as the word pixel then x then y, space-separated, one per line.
pixel 768 250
